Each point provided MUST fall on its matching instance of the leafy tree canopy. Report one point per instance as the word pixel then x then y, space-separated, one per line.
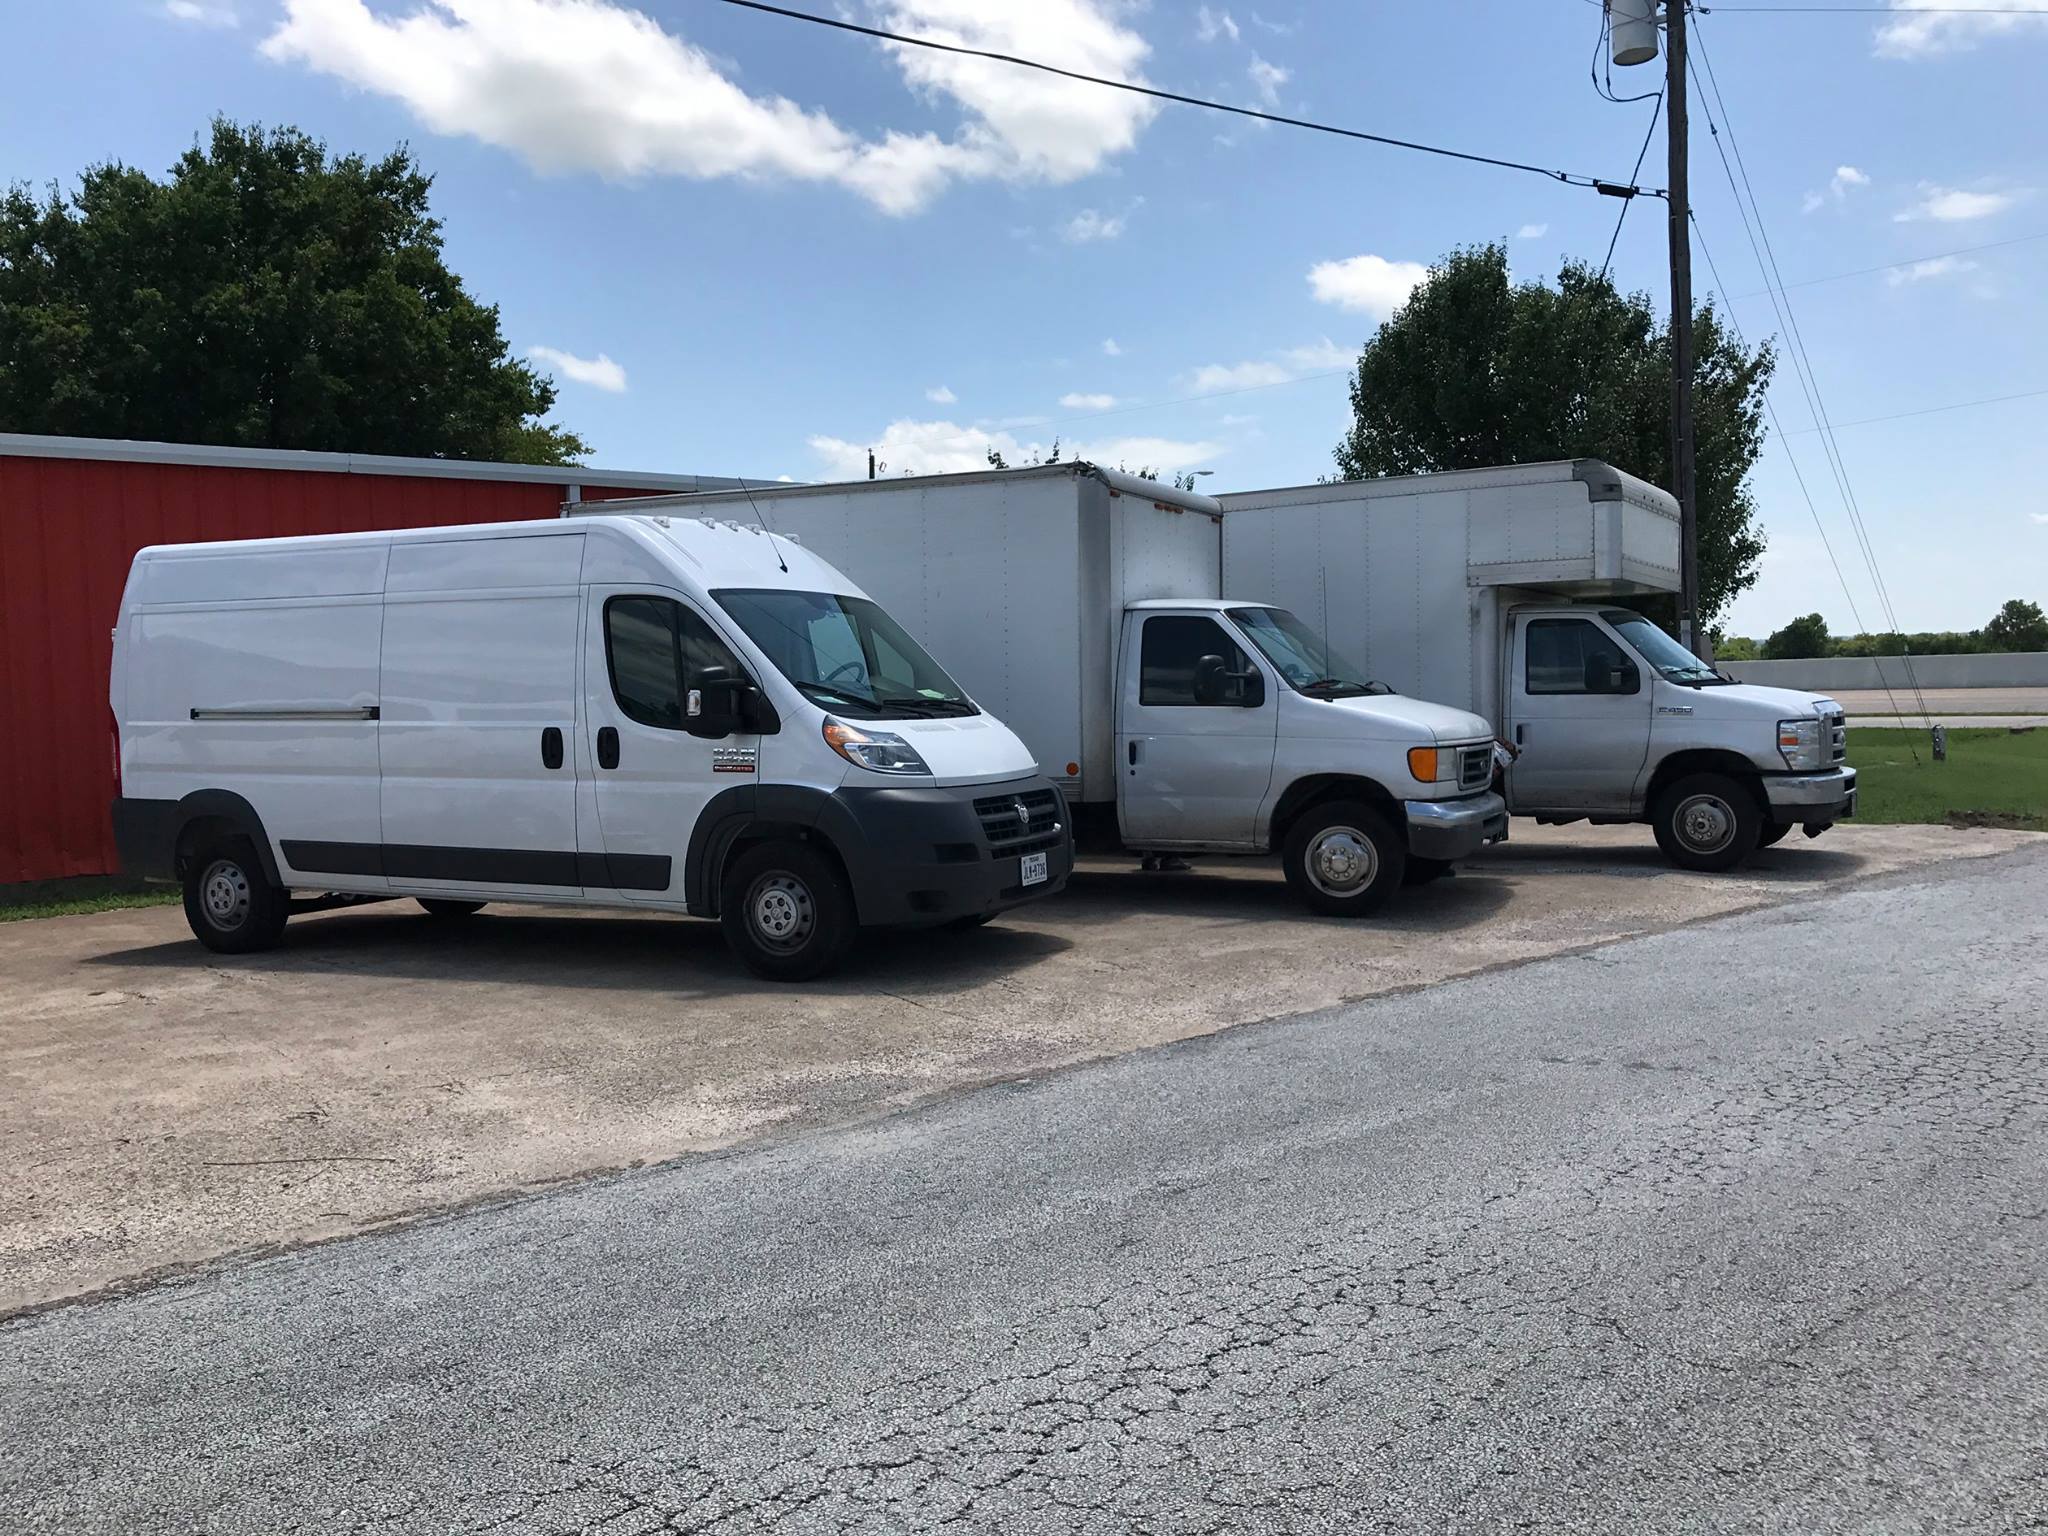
pixel 1475 370
pixel 263 295
pixel 2018 626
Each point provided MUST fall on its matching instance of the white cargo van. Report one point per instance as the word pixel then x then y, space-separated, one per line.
pixel 1506 591
pixel 633 712
pixel 1088 608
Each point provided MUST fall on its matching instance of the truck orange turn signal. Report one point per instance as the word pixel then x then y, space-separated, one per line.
pixel 1422 764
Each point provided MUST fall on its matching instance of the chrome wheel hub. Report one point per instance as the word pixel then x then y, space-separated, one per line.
pixel 225 892
pixel 1706 823
pixel 1342 861
pixel 782 910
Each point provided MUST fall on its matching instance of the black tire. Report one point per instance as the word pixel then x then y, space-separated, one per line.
pixel 1423 871
pixel 230 903
pixel 786 911
pixel 441 906
pixel 1345 859
pixel 1707 821
pixel 1773 832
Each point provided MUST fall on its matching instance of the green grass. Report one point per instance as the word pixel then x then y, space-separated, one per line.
pixel 112 901
pixel 1992 777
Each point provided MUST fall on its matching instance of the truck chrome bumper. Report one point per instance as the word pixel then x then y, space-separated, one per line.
pixel 1812 797
pixel 1451 829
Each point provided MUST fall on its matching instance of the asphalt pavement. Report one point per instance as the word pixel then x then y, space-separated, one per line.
pixel 1736 1227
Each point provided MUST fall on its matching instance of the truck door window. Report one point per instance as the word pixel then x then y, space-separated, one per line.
pixel 653 647
pixel 1556 652
pixel 1171 648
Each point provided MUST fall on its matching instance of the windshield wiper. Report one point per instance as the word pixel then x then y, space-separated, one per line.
pixel 1345 682
pixel 919 705
pixel 808 686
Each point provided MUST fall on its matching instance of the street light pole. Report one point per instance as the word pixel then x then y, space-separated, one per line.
pixel 1681 331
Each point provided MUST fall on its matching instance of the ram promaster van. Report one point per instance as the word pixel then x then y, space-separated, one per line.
pixel 641 712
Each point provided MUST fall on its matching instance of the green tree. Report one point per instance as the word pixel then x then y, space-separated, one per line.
pixel 1736 648
pixel 262 295
pixel 2018 626
pixel 1476 370
pixel 1799 640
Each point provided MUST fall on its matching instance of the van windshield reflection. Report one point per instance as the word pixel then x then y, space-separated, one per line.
pixel 845 653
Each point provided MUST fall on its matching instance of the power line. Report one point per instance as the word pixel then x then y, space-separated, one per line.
pixel 1568 178
pixel 1894 266
pixel 1874 10
pixel 1802 361
pixel 1934 410
pixel 1627 203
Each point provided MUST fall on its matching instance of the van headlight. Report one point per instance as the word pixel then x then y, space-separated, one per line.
pixel 1799 743
pixel 876 751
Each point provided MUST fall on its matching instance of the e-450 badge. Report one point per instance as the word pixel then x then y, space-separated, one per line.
pixel 733 759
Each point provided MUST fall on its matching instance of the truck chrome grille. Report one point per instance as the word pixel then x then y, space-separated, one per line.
pixel 1475 767
pixel 1008 834
pixel 1836 728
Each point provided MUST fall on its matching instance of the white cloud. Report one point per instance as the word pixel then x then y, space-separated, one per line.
pixel 944 447
pixel 1845 177
pixel 216 14
pixel 2039 517
pixel 1371 285
pixel 599 372
pixel 1078 401
pixel 597 86
pixel 1532 231
pixel 1923 28
pixel 941 395
pixel 1210 25
pixel 1111 347
pixel 1921 271
pixel 1088 226
pixel 1267 80
pixel 1955 205
pixel 1281 367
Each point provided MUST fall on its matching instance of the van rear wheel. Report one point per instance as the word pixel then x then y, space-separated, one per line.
pixel 1344 859
pixel 231 905
pixel 440 906
pixel 786 911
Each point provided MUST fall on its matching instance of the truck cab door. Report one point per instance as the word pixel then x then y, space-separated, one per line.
pixel 1197 725
pixel 1579 711
pixel 650 778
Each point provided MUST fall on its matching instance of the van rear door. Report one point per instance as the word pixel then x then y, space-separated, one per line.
pixel 644 647
pixel 479 716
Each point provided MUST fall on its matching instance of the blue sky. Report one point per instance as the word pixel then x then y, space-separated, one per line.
pixel 745 245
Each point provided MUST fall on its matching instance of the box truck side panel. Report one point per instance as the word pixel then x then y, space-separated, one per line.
pixel 1164 551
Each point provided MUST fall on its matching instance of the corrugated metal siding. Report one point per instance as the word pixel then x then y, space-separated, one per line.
pixel 68 531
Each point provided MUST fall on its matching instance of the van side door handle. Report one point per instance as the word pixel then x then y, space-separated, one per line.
pixel 1134 751
pixel 551 747
pixel 607 747
pixel 1520 733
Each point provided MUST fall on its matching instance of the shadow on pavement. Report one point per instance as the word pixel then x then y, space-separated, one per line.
pixel 1796 858
pixel 1253 891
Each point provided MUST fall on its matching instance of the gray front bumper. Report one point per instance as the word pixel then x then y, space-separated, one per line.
pixel 1451 829
pixel 1812 797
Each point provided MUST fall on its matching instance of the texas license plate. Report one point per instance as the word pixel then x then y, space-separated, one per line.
pixel 1034 869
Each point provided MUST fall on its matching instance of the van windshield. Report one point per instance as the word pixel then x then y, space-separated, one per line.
pixel 845 653
pixel 1302 656
pixel 1674 663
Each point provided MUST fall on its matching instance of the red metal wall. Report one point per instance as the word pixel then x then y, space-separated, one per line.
pixel 68 530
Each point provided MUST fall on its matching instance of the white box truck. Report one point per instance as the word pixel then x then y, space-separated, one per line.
pixel 1506 591
pixel 638 712
pixel 1088 608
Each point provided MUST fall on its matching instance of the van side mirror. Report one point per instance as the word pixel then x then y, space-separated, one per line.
pixel 716 705
pixel 1609 673
pixel 1213 678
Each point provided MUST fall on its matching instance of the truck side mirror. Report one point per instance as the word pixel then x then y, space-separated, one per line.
pixel 1609 673
pixel 1212 679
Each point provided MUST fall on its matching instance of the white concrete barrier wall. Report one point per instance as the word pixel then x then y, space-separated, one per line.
pixel 1998 669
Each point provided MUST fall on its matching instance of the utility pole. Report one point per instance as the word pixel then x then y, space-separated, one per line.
pixel 1681 331
pixel 1632 27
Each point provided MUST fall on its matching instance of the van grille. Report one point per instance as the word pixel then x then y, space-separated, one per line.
pixel 1009 834
pixel 1837 729
pixel 1475 766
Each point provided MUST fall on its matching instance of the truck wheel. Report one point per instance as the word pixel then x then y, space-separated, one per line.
pixel 230 903
pixel 1344 860
pixel 1774 831
pixel 440 906
pixel 787 912
pixel 1707 821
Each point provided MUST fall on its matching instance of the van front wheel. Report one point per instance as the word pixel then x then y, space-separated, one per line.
pixel 786 912
pixel 232 906
pixel 1344 859
pixel 1707 821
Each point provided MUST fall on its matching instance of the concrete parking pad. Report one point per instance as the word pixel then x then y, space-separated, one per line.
pixel 161 1106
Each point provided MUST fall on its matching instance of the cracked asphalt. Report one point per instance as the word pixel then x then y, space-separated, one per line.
pixel 1739 1227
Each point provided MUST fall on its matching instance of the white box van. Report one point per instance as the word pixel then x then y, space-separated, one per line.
pixel 654 712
